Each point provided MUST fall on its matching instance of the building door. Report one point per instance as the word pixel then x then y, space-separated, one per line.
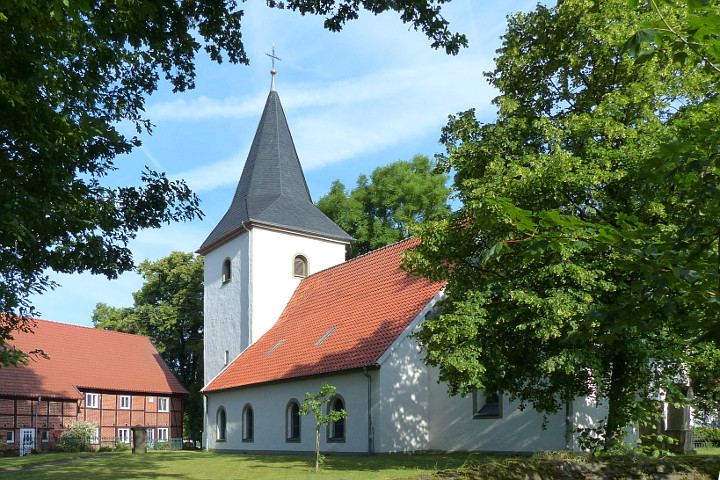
pixel 150 438
pixel 27 440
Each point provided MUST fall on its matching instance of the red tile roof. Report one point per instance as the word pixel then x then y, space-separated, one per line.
pixel 368 300
pixel 88 359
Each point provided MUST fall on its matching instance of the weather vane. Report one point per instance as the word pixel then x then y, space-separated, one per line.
pixel 274 57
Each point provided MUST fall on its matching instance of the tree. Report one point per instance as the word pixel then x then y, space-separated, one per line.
pixel 71 71
pixel 315 404
pixel 384 209
pixel 169 310
pixel 584 259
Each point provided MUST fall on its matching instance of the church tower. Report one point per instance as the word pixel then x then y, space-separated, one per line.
pixel 271 237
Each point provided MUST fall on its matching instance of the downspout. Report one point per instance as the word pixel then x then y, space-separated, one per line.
pixel 569 427
pixel 369 411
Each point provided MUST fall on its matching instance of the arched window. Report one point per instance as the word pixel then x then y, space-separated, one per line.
pixel 300 268
pixel 292 421
pixel 337 429
pixel 226 271
pixel 221 425
pixel 248 427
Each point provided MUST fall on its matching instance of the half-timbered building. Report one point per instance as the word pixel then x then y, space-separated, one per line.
pixel 115 380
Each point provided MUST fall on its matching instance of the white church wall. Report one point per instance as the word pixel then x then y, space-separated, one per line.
pixel 223 305
pixel 269 403
pixel 273 282
pixel 454 427
pixel 400 406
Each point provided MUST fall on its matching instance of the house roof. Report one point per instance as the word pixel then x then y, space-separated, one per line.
pixel 342 318
pixel 87 359
pixel 272 188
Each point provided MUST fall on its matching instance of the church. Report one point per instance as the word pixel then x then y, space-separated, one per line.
pixel 285 313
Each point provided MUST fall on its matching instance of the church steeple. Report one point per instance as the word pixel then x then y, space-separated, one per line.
pixel 272 190
pixel 271 237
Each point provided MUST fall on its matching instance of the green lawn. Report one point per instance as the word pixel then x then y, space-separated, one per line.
pixel 185 465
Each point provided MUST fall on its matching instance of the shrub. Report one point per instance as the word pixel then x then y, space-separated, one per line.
pixel 78 438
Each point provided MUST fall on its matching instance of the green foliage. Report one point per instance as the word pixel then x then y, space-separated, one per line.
pixel 72 70
pixel 385 208
pixel 316 403
pixel 78 437
pixel 584 261
pixel 169 310
pixel 683 32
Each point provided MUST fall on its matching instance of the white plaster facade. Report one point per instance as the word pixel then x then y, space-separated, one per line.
pixel 408 411
pixel 239 311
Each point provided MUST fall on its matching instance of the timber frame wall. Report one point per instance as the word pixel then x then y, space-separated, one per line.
pixel 55 416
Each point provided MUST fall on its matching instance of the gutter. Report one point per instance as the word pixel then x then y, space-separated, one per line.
pixel 369 410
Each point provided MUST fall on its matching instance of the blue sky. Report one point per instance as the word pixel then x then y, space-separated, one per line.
pixel 364 97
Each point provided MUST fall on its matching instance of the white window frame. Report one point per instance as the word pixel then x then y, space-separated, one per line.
pixel 10 436
pixel 92 400
pixel 163 404
pixel 163 434
pixel 124 435
pixel 44 436
pixel 95 438
pixel 125 402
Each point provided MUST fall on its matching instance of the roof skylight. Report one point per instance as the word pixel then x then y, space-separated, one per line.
pixel 327 334
pixel 275 347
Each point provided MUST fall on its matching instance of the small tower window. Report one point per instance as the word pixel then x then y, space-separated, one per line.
pixel 300 267
pixel 226 272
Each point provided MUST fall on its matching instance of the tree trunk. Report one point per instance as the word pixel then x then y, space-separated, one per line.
pixel 317 448
pixel 616 419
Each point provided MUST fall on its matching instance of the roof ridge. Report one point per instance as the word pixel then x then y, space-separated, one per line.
pixel 95 329
pixel 371 252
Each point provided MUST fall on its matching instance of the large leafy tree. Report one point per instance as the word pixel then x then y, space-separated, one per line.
pixel 169 310
pixel 384 208
pixel 70 71
pixel 584 261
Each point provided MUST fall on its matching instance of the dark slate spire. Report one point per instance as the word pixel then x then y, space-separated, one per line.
pixel 272 189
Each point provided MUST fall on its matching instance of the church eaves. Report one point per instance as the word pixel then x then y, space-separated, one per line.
pixel 272 190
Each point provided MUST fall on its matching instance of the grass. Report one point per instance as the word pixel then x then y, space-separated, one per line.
pixel 188 465
pixel 11 463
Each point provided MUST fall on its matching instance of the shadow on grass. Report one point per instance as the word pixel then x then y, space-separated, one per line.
pixel 202 465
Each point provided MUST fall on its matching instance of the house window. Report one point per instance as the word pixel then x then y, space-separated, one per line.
pixel 337 429
pixel 248 424
pixel 92 400
pixel 487 406
pixel 221 425
pixel 150 437
pixel 300 266
pixel 227 357
pixel 10 436
pixel 163 404
pixel 125 402
pixel 163 434
pixel 292 422
pixel 95 438
pixel 123 435
pixel 44 436
pixel 226 271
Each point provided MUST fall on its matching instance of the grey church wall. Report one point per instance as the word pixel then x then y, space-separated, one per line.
pixel 224 314
pixel 269 403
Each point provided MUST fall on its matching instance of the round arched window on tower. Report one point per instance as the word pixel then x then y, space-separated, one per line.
pixel 300 266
